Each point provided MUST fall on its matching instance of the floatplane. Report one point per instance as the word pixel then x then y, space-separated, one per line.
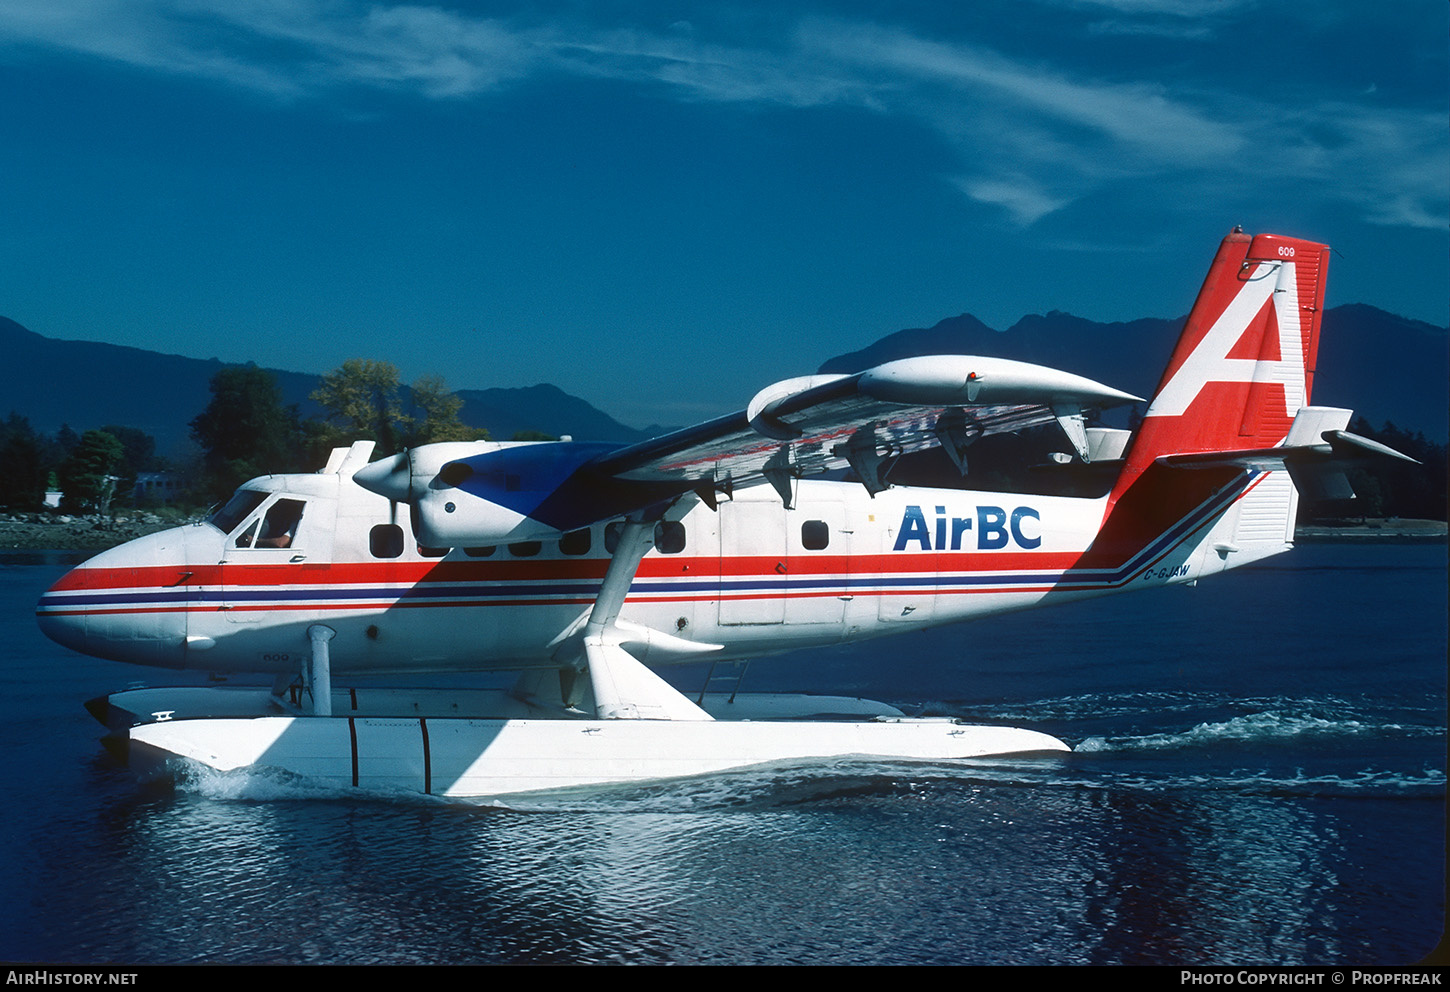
pixel 833 508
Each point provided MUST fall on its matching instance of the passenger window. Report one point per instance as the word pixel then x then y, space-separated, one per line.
pixel 526 549
pixel 669 537
pixel 386 541
pixel 576 542
pixel 611 536
pixel 480 552
pixel 433 552
pixel 815 535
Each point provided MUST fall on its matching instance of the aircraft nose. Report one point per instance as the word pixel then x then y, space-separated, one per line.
pixel 118 606
pixel 64 626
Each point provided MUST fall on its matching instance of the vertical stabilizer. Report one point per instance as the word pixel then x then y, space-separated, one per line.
pixel 1244 364
pixel 1242 370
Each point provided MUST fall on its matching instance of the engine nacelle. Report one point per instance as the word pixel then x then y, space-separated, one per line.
pixel 478 493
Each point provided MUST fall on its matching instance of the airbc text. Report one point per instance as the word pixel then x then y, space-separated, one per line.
pixel 995 528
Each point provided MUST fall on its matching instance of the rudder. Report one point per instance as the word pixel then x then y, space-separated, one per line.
pixel 1240 373
pixel 1244 363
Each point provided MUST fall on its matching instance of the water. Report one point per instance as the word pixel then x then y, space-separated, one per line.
pixel 1259 778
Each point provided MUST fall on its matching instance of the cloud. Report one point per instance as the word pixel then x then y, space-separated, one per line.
pixel 1035 137
pixel 1176 8
pixel 1018 196
pixel 439 54
pixel 1389 163
pixel 1032 135
pixel 286 47
pixel 1140 116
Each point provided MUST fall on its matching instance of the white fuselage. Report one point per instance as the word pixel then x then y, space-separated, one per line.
pixel 752 576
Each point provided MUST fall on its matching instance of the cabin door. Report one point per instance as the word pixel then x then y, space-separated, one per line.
pixel 908 588
pixel 820 548
pixel 265 559
pixel 754 562
pixel 783 566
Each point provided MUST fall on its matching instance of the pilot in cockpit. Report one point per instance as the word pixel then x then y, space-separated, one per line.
pixel 280 525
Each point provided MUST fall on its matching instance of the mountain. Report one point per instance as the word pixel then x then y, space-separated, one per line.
pixel 1128 356
pixel 1384 367
pixel 506 412
pixel 88 384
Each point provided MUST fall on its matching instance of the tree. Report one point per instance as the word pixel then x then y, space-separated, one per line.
pixel 138 454
pixel 23 473
pixel 139 448
pixel 67 440
pixel 1390 487
pixel 364 399
pixel 437 412
pixel 361 400
pixel 88 476
pixel 245 431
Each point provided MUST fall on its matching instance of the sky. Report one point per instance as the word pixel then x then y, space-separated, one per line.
pixel 662 208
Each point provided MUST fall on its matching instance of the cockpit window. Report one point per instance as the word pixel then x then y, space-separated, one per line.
pixel 277 528
pixel 280 525
pixel 243 502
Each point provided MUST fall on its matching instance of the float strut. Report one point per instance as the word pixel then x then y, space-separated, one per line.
pixel 318 673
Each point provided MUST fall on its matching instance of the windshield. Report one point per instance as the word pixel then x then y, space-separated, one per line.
pixel 243 502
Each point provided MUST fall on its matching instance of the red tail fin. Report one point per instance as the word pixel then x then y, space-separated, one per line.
pixel 1244 363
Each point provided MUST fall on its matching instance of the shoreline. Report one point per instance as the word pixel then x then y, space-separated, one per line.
pixel 1385 531
pixel 66 532
pixel 62 532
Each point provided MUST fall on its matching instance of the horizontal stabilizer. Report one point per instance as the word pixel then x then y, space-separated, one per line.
pixel 1315 454
pixel 1340 448
pixel 1349 445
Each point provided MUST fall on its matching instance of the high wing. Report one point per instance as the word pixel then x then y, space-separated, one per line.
pixel 489 493
pixel 817 423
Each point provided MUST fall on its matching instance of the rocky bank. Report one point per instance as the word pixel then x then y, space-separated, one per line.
pixel 67 532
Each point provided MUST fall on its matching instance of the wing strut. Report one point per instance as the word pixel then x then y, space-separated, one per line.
pixel 624 689
pixel 781 472
pixel 865 458
pixel 956 430
pixel 1069 416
